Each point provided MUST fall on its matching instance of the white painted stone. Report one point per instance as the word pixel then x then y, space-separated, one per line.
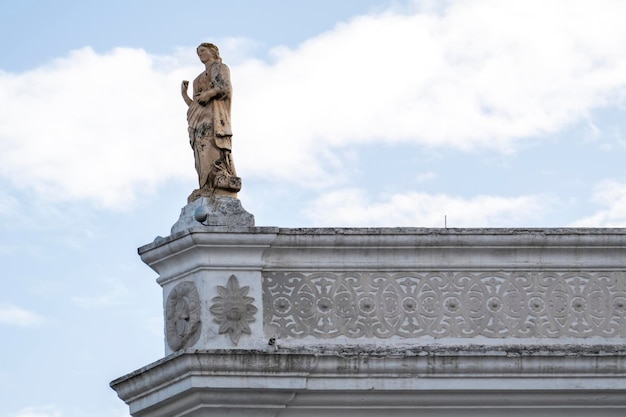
pixel 411 321
pixel 439 381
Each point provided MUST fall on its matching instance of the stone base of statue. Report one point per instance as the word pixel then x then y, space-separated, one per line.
pixel 217 210
pixel 222 186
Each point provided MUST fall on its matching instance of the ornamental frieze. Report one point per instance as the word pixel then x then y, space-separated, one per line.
pixel 451 304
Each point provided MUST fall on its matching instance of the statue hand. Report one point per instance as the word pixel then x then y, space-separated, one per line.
pixel 203 98
pixel 183 91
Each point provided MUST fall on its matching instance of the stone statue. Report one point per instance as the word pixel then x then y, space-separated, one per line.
pixel 209 126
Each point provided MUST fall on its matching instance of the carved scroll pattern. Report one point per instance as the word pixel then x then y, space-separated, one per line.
pixel 451 304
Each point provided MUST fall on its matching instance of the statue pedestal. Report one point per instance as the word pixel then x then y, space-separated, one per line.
pixel 262 321
pixel 214 211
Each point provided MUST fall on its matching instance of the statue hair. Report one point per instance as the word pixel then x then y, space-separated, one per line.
pixel 213 48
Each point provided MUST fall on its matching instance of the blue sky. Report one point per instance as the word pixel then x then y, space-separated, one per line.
pixel 345 113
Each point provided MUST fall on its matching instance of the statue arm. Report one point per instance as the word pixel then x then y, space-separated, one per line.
pixel 221 86
pixel 183 90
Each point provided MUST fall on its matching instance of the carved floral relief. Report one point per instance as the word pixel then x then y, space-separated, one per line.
pixel 233 309
pixel 182 316
pixel 524 304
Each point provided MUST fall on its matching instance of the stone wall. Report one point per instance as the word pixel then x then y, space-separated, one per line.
pixel 349 321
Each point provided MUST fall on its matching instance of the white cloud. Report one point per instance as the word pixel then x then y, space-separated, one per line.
pixel 483 74
pixel 353 207
pixel 425 176
pixel 91 126
pixel 119 410
pixel 115 293
pixel 44 411
pixel 469 74
pixel 9 211
pixel 610 194
pixel 16 316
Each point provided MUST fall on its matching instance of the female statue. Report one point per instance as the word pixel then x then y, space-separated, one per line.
pixel 209 126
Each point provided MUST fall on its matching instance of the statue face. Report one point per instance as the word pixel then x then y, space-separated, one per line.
pixel 205 54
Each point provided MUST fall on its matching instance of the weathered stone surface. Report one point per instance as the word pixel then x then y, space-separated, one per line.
pixel 389 286
pixel 411 321
pixel 210 134
pixel 445 304
pixel 216 211
pixel 182 316
pixel 233 309
pixel 438 381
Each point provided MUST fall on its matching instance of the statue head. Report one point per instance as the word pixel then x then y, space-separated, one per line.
pixel 211 47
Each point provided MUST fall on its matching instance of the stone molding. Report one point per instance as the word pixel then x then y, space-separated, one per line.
pixel 384 249
pixel 412 321
pixel 207 249
pixel 403 381
pixel 377 285
pixel 419 249
pixel 519 304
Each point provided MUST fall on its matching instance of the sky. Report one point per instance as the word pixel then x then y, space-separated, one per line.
pixel 351 113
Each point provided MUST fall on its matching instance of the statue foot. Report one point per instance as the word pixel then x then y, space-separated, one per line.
pixel 232 184
pixel 225 186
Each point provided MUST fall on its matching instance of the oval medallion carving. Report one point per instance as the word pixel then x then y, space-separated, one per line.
pixel 182 316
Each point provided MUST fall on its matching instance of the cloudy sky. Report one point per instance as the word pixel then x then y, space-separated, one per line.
pixel 483 113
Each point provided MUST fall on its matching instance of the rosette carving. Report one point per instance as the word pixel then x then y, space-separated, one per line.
pixel 233 309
